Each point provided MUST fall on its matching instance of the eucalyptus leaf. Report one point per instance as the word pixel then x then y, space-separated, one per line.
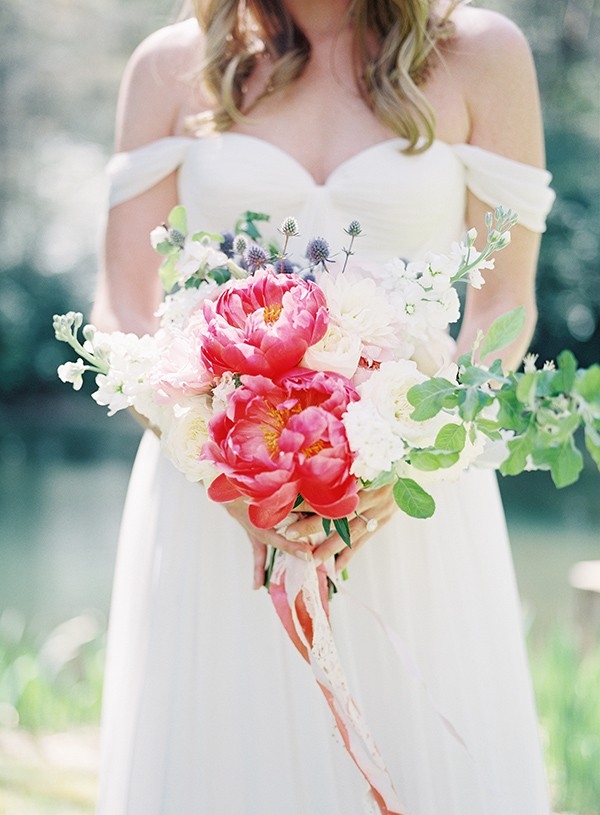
pixel 412 498
pixel 214 237
pixel 502 332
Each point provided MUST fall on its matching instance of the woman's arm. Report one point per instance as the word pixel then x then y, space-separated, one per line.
pixel 155 93
pixel 492 62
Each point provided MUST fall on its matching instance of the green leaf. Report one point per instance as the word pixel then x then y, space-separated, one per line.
pixel 502 332
pixel 526 389
pixel 511 415
pixel 592 443
pixel 214 237
pixel 520 448
pixel 471 402
pixel 342 527
pixel 564 378
pixel 166 248
pixel 412 499
pixel 178 219
pixel 489 428
pixel 168 275
pixel 429 397
pixel 430 460
pixel 565 463
pixel 587 385
pixel 562 428
pixel 326 525
pixel 451 438
pixel 299 500
pixel 381 480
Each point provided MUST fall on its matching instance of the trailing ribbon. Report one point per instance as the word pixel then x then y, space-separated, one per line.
pixel 300 596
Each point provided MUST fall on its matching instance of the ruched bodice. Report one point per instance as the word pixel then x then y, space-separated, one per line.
pixel 406 204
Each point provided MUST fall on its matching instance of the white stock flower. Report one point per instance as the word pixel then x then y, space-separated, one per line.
pixel 184 436
pixel 130 359
pixel 338 352
pixel 438 272
pixel 72 372
pixel 529 360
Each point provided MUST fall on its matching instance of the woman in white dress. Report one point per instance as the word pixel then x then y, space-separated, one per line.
pixel 208 708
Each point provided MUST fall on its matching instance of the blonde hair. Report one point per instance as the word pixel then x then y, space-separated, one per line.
pixel 239 32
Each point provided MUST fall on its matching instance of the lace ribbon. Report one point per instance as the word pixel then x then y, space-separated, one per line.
pixel 299 593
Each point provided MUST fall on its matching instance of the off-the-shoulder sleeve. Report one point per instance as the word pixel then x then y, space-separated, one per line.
pixel 136 171
pixel 500 181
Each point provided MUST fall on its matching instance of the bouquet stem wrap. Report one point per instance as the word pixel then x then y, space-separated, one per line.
pixel 300 597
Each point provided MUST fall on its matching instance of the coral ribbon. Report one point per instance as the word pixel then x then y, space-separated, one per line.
pixel 300 597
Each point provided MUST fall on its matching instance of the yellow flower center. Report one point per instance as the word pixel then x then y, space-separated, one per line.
pixel 272 431
pixel 271 313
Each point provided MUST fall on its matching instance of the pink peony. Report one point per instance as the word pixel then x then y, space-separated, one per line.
pixel 263 324
pixel 280 439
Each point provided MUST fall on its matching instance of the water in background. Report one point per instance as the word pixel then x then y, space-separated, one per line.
pixel 61 495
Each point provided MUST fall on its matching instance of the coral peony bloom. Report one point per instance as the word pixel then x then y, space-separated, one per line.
pixel 280 439
pixel 263 324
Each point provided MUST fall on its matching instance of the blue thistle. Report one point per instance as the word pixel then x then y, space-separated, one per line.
pixel 226 245
pixel 256 257
pixel 283 266
pixel 317 251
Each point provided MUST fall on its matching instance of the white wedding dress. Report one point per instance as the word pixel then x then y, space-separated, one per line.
pixel 208 708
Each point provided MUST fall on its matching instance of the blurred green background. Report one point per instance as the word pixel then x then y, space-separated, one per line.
pixel 64 466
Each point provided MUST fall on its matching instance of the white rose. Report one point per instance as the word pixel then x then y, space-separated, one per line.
pixel 182 440
pixel 338 352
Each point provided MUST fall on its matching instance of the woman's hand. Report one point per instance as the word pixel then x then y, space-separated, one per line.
pixel 261 538
pixel 375 508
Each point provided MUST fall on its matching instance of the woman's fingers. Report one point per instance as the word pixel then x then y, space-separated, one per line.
pixel 259 553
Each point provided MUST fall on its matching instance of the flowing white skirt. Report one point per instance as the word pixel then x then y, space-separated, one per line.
pixel 209 709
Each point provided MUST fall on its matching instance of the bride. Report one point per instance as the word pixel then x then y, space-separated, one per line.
pixel 416 118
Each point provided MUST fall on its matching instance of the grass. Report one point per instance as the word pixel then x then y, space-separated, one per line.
pixel 55 685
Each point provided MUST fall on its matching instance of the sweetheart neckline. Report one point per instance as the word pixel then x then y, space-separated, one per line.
pixel 395 140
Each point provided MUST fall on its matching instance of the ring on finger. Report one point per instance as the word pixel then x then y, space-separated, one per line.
pixel 371 524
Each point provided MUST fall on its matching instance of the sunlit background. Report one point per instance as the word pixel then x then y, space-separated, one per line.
pixel 64 466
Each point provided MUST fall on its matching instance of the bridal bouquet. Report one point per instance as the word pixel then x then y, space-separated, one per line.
pixel 274 381
pixel 284 382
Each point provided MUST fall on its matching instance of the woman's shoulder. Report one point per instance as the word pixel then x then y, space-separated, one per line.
pixel 160 84
pixel 490 64
pixel 485 40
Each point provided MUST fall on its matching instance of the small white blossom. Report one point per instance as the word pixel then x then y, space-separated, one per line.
pixel 159 234
pixel 72 372
pixel 529 361
pixel 198 256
